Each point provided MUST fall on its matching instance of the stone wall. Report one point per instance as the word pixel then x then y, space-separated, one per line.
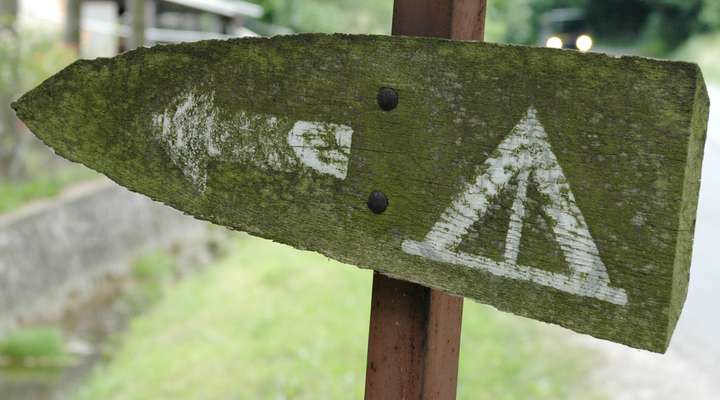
pixel 61 249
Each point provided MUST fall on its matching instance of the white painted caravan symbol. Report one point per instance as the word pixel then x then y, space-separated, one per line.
pixel 309 142
pixel 192 134
pixel 525 154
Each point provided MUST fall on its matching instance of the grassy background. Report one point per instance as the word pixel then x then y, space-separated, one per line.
pixel 35 343
pixel 43 185
pixel 271 322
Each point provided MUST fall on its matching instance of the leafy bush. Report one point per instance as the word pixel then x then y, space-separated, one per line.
pixel 39 54
pixel 26 59
pixel 710 14
pixel 156 266
pixel 152 272
pixel 349 16
pixel 33 343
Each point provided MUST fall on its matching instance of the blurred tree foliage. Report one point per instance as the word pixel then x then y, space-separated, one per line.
pixel 9 75
pixel 348 16
pixel 658 25
pixel 27 57
pixel 710 14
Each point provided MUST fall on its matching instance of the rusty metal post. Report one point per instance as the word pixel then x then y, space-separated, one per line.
pixel 452 19
pixel 414 341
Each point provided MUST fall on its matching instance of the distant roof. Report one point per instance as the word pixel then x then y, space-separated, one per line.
pixel 159 34
pixel 223 7
pixel 179 36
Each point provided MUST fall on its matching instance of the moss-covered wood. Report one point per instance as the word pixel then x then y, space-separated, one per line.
pixel 548 183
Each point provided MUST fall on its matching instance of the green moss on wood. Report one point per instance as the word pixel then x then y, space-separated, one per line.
pixel 628 133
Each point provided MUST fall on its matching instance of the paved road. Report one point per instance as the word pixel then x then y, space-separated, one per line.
pixel 691 367
pixel 698 332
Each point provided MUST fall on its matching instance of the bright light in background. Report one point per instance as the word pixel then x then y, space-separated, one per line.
pixel 554 42
pixel 584 43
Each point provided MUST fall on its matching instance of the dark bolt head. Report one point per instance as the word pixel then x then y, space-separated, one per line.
pixel 377 202
pixel 387 98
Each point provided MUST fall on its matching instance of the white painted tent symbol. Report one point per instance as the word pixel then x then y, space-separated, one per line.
pixel 525 154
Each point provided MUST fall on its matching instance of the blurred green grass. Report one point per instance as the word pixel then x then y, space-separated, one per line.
pixel 271 322
pixel 154 266
pixel 375 17
pixel 44 344
pixel 152 272
pixel 43 185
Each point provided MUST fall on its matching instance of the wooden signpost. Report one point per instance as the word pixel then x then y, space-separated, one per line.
pixel 548 183
pixel 414 341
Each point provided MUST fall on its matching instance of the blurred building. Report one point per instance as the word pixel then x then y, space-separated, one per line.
pixel 105 24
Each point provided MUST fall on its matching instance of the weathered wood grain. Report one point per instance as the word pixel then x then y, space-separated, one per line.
pixel 552 184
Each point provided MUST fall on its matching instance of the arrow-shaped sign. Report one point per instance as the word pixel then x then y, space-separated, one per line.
pixel 585 220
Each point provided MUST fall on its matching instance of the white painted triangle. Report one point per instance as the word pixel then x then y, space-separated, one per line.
pixel 525 154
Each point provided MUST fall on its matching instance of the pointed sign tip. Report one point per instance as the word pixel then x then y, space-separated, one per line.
pixel 22 111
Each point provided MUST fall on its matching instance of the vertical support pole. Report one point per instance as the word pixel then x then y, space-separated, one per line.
pixel 414 338
pixel 151 15
pixel 450 19
pixel 414 342
pixel 137 9
pixel 71 36
pixel 10 140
